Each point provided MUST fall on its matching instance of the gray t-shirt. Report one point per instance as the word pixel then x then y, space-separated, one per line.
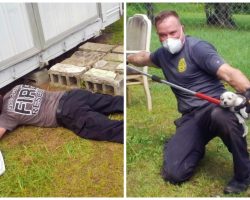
pixel 194 68
pixel 28 105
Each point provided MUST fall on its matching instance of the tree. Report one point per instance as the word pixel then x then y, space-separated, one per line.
pixel 150 11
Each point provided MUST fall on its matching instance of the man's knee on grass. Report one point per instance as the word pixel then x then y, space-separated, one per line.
pixel 176 175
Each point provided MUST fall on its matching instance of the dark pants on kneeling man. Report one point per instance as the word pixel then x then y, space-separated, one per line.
pixel 193 131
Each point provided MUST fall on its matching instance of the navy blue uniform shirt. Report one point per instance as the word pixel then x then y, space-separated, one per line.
pixel 194 68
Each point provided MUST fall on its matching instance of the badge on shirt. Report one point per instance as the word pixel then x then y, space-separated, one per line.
pixel 182 66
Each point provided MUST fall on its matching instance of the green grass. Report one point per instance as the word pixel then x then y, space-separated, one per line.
pixel 113 34
pixel 54 162
pixel 147 131
pixel 146 134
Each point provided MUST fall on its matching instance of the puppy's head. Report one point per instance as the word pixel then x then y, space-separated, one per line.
pixel 228 99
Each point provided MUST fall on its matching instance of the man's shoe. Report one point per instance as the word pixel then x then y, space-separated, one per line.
pixel 236 187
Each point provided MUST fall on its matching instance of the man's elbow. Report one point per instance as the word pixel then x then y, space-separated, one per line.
pixel 227 73
pixel 233 77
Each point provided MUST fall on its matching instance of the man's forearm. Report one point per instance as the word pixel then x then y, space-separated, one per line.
pixel 2 131
pixel 140 59
pixel 233 77
pixel 240 82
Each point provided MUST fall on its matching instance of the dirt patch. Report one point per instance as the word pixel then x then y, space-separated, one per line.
pixel 55 138
pixel 51 138
pixel 96 170
pixel 104 38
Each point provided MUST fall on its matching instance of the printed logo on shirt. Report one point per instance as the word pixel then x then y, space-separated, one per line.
pixel 182 66
pixel 25 100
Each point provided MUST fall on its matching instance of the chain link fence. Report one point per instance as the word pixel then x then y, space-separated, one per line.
pixel 222 15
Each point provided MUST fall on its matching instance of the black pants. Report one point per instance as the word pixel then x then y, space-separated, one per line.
pixel 194 130
pixel 85 113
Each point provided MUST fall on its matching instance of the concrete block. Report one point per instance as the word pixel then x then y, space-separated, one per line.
pixel 120 68
pixel 118 49
pixel 39 77
pixel 100 64
pixel 69 69
pixel 109 66
pixel 90 46
pixel 113 57
pixel 84 58
pixel 103 81
pixel 76 62
pixel 99 73
pixel 67 75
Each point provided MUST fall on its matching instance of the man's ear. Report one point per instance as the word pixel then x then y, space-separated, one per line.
pixel 183 28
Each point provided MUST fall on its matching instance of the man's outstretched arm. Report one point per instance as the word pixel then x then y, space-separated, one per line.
pixel 233 77
pixel 2 131
pixel 140 59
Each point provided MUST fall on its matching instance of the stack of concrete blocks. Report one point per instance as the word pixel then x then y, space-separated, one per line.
pixel 97 66
pixel 68 73
pixel 106 76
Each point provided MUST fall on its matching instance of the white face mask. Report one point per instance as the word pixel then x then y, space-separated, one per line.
pixel 173 45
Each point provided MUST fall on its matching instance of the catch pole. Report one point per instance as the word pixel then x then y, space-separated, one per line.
pixel 197 94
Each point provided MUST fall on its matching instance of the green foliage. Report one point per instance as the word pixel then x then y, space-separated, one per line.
pixel 114 33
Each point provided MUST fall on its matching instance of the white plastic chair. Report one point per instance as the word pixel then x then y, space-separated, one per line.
pixel 138 39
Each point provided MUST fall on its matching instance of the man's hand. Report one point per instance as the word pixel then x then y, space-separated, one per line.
pixel 246 103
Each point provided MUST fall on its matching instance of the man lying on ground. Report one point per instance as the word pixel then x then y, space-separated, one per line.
pixel 78 110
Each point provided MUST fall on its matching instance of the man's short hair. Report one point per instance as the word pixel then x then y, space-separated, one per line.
pixel 165 14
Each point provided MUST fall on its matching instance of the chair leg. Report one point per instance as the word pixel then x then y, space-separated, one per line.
pixel 147 91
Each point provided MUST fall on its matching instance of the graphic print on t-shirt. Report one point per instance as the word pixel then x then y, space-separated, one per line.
pixel 25 100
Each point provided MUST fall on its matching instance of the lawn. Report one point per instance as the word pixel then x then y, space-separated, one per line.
pixel 54 162
pixel 147 131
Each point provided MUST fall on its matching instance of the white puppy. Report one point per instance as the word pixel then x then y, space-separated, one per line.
pixel 231 100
